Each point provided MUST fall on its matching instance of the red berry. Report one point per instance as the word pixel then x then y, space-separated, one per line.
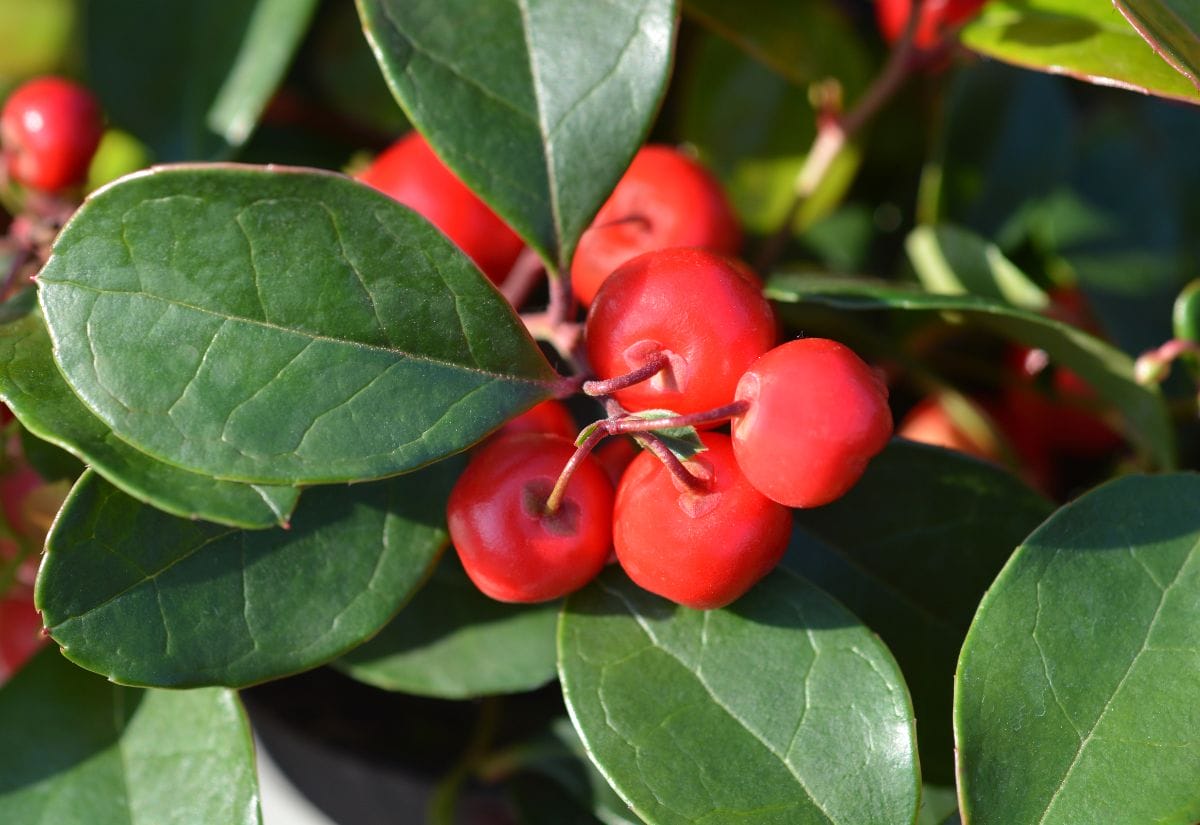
pixel 817 415
pixel 699 549
pixel 20 633
pixel 703 310
pixel 614 455
pixel 930 422
pixel 49 130
pixel 546 417
pixel 936 17
pixel 509 546
pixel 664 199
pixel 411 173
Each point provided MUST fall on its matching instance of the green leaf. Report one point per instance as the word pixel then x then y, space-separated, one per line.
pixel 1107 369
pixel 803 42
pixel 684 442
pixel 940 527
pixel 950 260
pixel 81 751
pixel 195 78
pixel 1076 696
pixel 537 105
pixel 781 709
pixel 35 391
pixel 453 642
pixel 1081 38
pixel 19 305
pixel 1171 27
pixel 299 327
pixel 149 599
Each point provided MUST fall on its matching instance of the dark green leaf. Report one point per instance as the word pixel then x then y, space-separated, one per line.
pixel 684 442
pixel 911 550
pixel 34 389
pixel 80 751
pixel 538 105
pixel 149 599
pixel 1107 369
pixel 1076 697
pixel 191 79
pixel 48 461
pixel 803 42
pixel 954 261
pixel 782 708
pixel 299 327
pixel 19 305
pixel 1172 28
pixel 454 642
pixel 1081 38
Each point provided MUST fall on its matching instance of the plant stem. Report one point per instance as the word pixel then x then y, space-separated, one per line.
pixel 663 453
pixel 623 426
pixel 564 478
pixel 834 131
pixel 654 365
pixel 522 278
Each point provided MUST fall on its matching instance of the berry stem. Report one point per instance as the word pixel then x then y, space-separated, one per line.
pixel 522 278
pixel 564 478
pixel 671 461
pixel 654 365
pixel 639 425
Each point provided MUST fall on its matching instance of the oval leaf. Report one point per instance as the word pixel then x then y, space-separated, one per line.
pixel 1081 38
pixel 1172 28
pixel 35 391
pixel 951 260
pixel 148 599
pixel 1076 697
pixel 453 642
pixel 1104 367
pixel 543 119
pixel 299 327
pixel 941 526
pixel 781 709
pixel 229 55
pixel 81 751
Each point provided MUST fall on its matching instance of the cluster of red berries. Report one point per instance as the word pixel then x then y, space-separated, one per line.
pixel 49 131
pixel 678 334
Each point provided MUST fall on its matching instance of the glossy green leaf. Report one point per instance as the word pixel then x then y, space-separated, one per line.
pixel 1080 38
pixel 781 708
pixel 538 105
pixel 1076 697
pixel 149 599
pixel 940 527
pixel 1172 28
pixel 803 42
pixel 194 79
pixel 35 391
pixel 953 261
pixel 454 642
pixel 299 327
pixel 81 751
pixel 1107 369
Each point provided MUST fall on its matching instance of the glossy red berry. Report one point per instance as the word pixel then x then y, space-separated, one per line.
pixel 546 417
pixel 931 422
pixel 411 173
pixel 817 414
pixel 20 633
pixel 936 17
pixel 49 130
pixel 510 547
pixel 704 311
pixel 665 199
pixel 699 549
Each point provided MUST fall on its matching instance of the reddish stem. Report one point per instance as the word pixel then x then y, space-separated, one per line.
pixel 564 478
pixel 654 365
pixel 522 278
pixel 639 425
pixel 671 461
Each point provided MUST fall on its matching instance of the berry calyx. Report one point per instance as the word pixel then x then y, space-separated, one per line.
pixel 699 313
pixel 410 172
pixel 49 130
pixel 699 548
pixel 817 415
pixel 664 199
pixel 512 547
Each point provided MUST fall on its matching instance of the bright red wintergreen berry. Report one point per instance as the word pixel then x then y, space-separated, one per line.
pixel 49 130
pixel 510 546
pixel 704 547
pixel 546 417
pixel 937 17
pixel 410 172
pixel 664 199
pixel 20 632
pixel 700 314
pixel 817 414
